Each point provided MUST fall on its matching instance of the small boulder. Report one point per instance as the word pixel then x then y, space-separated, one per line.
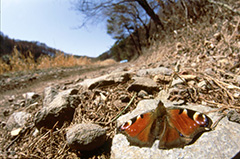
pixel 143 83
pixel 233 116
pixel 31 97
pixel 109 79
pixel 61 109
pixel 85 137
pixel 49 94
pixel 17 120
pixel 155 71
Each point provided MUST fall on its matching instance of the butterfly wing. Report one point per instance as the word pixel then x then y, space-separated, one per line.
pixel 175 127
pixel 181 126
pixel 141 130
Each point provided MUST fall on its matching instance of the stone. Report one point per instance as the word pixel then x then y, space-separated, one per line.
pixel 17 120
pixel 109 79
pixel 11 98
pixel 142 94
pixel 233 116
pixel 16 132
pixel 143 83
pixel 222 142
pixel 35 133
pixel 155 71
pixel 31 96
pixel 49 94
pixel 85 137
pixel 6 112
pixel 61 109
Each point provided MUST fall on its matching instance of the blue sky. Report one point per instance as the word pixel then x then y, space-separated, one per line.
pixel 54 23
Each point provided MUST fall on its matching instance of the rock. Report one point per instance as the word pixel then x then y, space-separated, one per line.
pixel 143 83
pixel 17 120
pixel 16 132
pixel 213 144
pixel 49 94
pixel 155 71
pixel 35 133
pixel 31 96
pixel 85 137
pixel 11 98
pixel 142 94
pixel 233 116
pixel 162 79
pixel 59 110
pixel 2 124
pixel 109 79
pixel 6 112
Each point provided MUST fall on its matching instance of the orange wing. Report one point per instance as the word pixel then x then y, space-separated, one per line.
pixel 181 126
pixel 141 130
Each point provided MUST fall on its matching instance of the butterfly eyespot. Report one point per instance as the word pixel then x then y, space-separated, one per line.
pixel 200 118
pixel 126 125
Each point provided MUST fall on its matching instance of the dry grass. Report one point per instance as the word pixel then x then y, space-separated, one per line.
pixel 18 62
pixel 196 50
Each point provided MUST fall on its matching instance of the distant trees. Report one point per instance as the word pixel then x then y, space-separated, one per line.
pixel 134 23
pixel 26 48
pixel 127 20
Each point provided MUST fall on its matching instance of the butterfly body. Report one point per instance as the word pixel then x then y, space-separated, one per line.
pixel 173 127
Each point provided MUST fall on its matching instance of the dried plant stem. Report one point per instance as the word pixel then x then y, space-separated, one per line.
pixel 124 108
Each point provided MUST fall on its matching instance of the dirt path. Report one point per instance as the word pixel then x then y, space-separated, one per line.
pixel 13 86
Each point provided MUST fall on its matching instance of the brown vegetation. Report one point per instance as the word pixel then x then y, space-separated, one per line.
pixel 19 62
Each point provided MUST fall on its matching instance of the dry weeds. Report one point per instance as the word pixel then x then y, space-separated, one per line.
pixel 18 62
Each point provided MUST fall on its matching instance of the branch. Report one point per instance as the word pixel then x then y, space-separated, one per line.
pixel 224 5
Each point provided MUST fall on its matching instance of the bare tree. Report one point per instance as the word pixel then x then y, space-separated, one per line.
pixel 93 9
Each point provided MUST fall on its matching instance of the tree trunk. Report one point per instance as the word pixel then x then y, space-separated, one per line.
pixel 144 4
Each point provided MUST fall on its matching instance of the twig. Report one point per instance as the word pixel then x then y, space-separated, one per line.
pixel 222 87
pixel 224 5
pixel 12 142
pixel 19 135
pixel 216 122
pixel 124 108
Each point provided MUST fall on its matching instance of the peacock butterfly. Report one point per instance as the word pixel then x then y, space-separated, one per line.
pixel 173 127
